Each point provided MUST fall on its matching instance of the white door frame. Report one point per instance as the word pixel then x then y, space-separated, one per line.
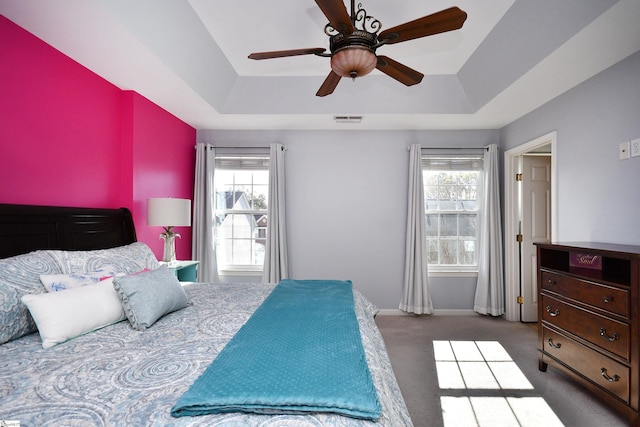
pixel 511 208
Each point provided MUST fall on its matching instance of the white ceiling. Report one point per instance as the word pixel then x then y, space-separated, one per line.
pixel 190 57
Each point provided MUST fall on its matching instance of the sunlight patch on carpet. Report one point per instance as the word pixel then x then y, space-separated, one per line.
pixel 497 411
pixel 480 370
pixel 477 365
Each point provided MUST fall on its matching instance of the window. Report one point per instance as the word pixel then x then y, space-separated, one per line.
pixel 242 190
pixel 451 185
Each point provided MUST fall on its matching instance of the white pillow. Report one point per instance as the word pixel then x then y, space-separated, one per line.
pixel 61 316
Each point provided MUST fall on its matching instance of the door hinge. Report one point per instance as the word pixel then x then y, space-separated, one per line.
pixel 520 300
pixel 518 177
pixel 519 238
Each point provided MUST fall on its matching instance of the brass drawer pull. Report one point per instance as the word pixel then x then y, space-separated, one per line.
pixel 603 334
pixel 551 282
pixel 608 299
pixel 550 341
pixel 552 313
pixel 603 372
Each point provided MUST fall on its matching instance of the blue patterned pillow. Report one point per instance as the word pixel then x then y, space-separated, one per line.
pixel 149 295
pixel 20 275
pixel 62 282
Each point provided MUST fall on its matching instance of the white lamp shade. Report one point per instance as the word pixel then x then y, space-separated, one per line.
pixel 169 212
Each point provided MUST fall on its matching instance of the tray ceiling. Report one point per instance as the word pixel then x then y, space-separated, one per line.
pixel 190 57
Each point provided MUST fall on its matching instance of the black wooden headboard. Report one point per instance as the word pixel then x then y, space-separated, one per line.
pixel 25 228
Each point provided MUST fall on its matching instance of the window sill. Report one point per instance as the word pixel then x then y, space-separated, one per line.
pixel 452 273
pixel 238 272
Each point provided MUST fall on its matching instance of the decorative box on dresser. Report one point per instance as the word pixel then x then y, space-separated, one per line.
pixel 589 318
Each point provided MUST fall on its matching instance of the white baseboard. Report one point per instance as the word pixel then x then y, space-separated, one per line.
pixel 391 312
pixel 445 312
pixel 436 312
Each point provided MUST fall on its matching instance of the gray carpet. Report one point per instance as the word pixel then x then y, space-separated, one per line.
pixel 409 343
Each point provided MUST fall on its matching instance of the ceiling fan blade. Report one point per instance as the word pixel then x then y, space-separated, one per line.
pixel 398 71
pixel 439 22
pixel 283 53
pixel 329 84
pixel 336 13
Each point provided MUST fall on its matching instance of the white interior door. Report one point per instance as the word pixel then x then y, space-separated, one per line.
pixel 536 226
pixel 513 217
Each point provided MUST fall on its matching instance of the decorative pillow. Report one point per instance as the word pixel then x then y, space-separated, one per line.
pixel 20 275
pixel 61 282
pixel 149 295
pixel 123 259
pixel 61 316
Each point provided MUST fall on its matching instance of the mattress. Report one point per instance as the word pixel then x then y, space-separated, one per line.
pixel 118 376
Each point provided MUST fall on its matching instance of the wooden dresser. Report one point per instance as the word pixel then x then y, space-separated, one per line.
pixel 589 318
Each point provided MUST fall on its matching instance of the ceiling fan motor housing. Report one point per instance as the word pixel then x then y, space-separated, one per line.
pixel 353 55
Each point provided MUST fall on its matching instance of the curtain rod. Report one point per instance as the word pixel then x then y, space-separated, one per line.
pixel 452 148
pixel 268 147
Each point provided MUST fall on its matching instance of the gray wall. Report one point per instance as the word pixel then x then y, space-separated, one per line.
pixel 598 194
pixel 346 191
pixel 346 205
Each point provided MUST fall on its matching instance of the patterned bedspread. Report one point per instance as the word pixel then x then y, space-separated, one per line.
pixel 118 376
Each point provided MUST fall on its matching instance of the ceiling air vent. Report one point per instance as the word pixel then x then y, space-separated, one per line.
pixel 347 119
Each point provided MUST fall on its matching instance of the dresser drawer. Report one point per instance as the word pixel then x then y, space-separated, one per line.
pixel 605 372
pixel 609 298
pixel 606 333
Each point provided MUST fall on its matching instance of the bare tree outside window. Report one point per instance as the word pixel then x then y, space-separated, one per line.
pixel 451 210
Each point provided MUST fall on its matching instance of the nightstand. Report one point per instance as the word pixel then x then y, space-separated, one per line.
pixel 185 271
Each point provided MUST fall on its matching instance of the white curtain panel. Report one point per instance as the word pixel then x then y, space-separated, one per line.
pixel 276 264
pixel 489 298
pixel 203 246
pixel 416 298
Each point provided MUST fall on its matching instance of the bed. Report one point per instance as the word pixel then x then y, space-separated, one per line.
pixel 116 375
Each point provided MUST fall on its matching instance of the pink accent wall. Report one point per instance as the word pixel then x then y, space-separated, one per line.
pixel 163 153
pixel 70 138
pixel 58 122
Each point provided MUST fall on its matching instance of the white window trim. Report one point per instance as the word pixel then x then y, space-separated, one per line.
pixel 240 270
pixel 454 270
pixel 254 159
pixel 440 272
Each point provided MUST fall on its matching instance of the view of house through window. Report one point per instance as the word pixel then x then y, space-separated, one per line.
pixel 242 189
pixel 451 187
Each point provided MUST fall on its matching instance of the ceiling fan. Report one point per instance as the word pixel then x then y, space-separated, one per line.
pixel 354 39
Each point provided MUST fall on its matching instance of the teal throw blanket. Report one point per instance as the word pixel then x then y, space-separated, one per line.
pixel 300 352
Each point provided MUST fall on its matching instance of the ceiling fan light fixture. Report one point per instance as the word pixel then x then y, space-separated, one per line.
pixel 355 37
pixel 353 61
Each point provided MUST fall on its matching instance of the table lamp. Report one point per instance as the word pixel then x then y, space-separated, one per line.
pixel 169 213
